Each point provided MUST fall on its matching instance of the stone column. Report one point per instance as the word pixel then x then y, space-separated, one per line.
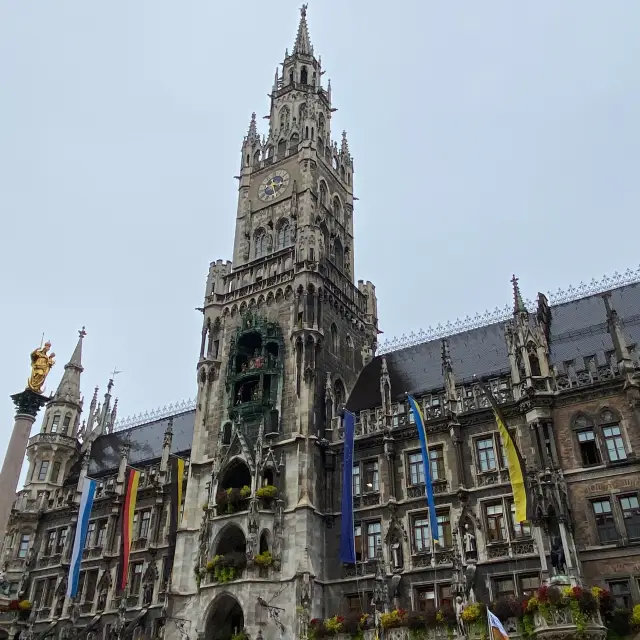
pixel 28 403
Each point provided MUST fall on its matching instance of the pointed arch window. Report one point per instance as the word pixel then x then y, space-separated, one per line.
pixel 284 235
pixel 338 254
pixel 302 113
pixel 66 423
pixel 256 158
pixel 350 353
pixel 337 208
pixel 261 244
pixel 303 75
pixel 55 423
pixel 284 118
pixel 334 339
pixel 339 394
pixel 321 126
pixel 323 194
pixel 282 148
pixel 295 138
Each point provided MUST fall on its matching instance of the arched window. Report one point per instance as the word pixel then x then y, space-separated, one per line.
pixel 350 353
pixel 302 113
pixel 295 138
pixel 291 76
pixel 303 76
pixel 337 208
pixel 343 174
pixel 269 152
pixel 323 194
pixel 66 423
pixel 334 339
pixel 282 148
pixel 339 394
pixel 321 126
pixel 284 118
pixel 306 133
pixel 226 433
pixel 261 244
pixel 56 423
pixel 284 235
pixel 338 255
pixel 256 158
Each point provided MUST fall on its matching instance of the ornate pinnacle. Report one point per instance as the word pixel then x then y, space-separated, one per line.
pixel 82 333
pixel 518 302
pixel 303 42
pixel 344 147
pixel 253 131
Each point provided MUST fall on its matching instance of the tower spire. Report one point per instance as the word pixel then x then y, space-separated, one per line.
pixel 518 302
pixel 303 42
pixel 69 387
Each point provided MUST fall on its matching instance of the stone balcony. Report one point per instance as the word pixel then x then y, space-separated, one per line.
pixel 559 623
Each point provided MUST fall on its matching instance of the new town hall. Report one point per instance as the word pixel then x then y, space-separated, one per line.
pixel 287 340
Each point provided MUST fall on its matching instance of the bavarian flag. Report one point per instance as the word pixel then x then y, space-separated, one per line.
pixel 515 462
pixel 132 480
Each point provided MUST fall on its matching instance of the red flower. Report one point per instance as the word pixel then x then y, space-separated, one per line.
pixel 543 593
pixel 577 592
pixel 315 622
pixel 340 618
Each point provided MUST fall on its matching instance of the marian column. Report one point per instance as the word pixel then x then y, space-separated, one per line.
pixel 28 403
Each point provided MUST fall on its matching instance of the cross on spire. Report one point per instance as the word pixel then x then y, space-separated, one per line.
pixel 82 333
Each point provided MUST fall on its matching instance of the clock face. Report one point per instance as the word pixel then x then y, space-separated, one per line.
pixel 274 185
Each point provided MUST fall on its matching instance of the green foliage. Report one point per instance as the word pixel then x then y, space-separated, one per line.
pixel 267 492
pixel 264 559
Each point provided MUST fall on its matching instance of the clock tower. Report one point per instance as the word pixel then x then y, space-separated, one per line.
pixel 285 333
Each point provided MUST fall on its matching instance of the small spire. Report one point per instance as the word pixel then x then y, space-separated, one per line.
pixel 303 42
pixel 518 302
pixel 69 387
pixel 344 147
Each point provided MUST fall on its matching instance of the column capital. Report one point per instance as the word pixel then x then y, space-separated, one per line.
pixel 28 402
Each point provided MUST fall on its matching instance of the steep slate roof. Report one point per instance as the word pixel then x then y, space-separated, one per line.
pixel 145 441
pixel 578 330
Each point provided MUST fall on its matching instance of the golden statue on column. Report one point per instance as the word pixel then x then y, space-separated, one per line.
pixel 41 363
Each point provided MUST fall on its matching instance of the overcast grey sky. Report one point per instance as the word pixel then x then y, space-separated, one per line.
pixel 489 138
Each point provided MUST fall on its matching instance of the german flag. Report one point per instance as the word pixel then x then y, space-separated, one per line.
pixel 517 469
pixel 126 519
pixel 177 493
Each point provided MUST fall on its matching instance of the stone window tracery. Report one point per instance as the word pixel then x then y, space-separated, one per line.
pixel 284 235
pixel 260 244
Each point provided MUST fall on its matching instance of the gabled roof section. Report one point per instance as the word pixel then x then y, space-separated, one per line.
pixel 578 331
pixel 145 442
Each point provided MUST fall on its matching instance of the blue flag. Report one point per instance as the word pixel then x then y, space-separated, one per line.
pixel 433 519
pixel 347 541
pixel 86 504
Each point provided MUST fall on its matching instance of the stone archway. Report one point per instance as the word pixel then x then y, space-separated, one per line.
pixel 225 619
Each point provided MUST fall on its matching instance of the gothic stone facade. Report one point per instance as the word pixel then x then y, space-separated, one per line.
pixel 285 333
pixel 287 339
pixel 567 378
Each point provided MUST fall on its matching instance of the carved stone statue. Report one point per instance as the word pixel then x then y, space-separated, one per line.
pixel 461 630
pixel 41 363
pixel 558 560
pixel 469 540
pixel 5 585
